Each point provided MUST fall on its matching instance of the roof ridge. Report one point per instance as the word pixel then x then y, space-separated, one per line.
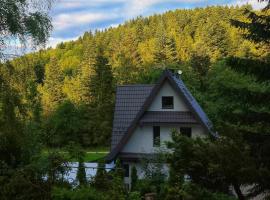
pixel 131 85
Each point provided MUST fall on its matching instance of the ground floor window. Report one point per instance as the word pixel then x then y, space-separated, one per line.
pixel 187 131
pixel 126 170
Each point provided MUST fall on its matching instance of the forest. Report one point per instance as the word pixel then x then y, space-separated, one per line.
pixel 64 97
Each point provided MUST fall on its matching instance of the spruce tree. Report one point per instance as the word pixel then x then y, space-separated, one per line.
pixel 102 98
pixel 52 93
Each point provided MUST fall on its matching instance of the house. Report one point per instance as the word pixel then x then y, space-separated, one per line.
pixel 145 115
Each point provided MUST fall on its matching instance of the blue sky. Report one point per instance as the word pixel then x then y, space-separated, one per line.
pixel 71 18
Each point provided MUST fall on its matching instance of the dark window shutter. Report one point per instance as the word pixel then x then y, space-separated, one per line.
pixel 156 136
pixel 126 170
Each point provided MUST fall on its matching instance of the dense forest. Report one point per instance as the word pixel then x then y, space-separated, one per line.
pixel 64 96
pixel 70 89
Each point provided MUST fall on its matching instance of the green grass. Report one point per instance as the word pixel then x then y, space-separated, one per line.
pixel 91 157
pixel 97 149
pixel 91 154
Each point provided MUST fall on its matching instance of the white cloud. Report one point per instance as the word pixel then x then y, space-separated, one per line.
pixel 66 21
pixel 254 3
pixel 68 17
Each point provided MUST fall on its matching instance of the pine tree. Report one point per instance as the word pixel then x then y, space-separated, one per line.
pixel 51 91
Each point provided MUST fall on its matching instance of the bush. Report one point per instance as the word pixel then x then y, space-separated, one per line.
pixel 83 193
pixel 190 191
pixel 134 196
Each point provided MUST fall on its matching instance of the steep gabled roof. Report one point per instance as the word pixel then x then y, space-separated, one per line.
pixel 145 101
pixel 129 100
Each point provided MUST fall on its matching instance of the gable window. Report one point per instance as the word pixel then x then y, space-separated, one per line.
pixel 186 131
pixel 167 102
pixel 156 136
pixel 126 170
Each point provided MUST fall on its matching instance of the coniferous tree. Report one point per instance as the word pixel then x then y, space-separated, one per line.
pixel 117 189
pixel 200 64
pixel 102 98
pixel 238 103
pixel 52 93
pixel 81 175
pixel 134 178
pixel 100 181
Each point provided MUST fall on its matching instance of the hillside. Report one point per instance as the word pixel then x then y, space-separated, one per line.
pixel 71 88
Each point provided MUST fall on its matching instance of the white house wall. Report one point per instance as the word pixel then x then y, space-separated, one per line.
pixel 167 90
pixel 141 140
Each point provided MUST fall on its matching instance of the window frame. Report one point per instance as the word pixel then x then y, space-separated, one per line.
pixel 167 106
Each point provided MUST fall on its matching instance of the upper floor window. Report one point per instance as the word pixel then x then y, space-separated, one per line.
pixel 187 131
pixel 167 102
pixel 156 136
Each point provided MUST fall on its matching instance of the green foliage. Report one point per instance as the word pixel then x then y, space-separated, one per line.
pixel 258 25
pixel 81 175
pixel 134 196
pixel 237 99
pixel 134 178
pixel 100 181
pixel 52 89
pixel 63 125
pixel 25 20
pixel 154 180
pixel 101 91
pixel 84 193
pixel 84 72
pixel 191 191
pixel 25 183
pixel 213 165
pixel 67 94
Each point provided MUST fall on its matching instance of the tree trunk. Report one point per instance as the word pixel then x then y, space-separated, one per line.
pixel 238 191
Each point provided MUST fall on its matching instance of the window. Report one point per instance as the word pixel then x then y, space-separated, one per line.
pixel 126 170
pixel 167 102
pixel 156 136
pixel 186 131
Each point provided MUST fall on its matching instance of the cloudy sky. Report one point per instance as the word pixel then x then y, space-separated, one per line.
pixel 71 18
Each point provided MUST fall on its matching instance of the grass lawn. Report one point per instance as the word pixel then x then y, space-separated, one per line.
pixel 91 154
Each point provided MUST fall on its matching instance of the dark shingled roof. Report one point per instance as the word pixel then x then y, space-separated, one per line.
pixel 128 102
pixel 168 117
